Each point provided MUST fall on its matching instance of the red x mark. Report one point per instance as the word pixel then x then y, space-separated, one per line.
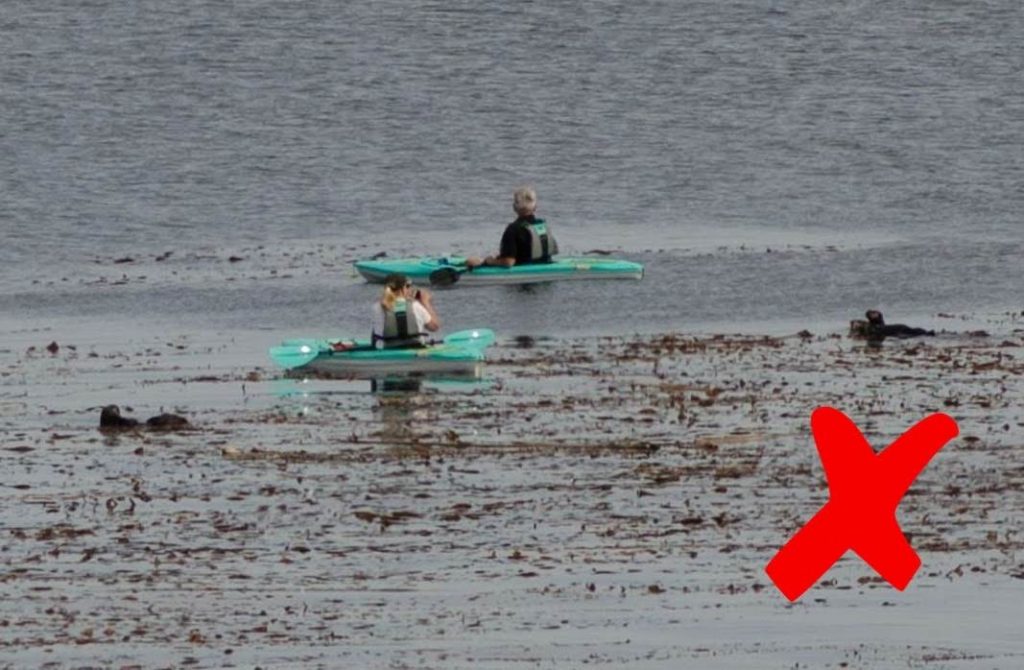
pixel 864 490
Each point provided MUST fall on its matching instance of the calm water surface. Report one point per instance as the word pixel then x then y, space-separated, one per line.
pixel 876 148
pixel 182 183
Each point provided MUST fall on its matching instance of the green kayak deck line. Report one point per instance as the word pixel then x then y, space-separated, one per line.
pixel 560 269
pixel 458 353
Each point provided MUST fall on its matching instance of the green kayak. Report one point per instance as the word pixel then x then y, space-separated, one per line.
pixel 458 353
pixel 446 271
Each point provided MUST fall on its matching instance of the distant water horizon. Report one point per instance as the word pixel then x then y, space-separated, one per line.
pixel 768 164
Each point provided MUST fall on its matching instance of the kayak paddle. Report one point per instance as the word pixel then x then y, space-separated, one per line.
pixel 479 337
pixel 290 356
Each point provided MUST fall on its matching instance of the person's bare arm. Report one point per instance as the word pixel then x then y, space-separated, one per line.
pixel 426 299
pixel 506 256
pixel 497 261
pixel 500 261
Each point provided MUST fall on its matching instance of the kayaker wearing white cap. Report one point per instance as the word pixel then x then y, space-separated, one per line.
pixel 404 314
pixel 526 240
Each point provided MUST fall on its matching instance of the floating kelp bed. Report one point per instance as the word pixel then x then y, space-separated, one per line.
pixel 602 500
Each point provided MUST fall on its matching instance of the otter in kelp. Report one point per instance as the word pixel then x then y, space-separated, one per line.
pixel 875 328
pixel 111 420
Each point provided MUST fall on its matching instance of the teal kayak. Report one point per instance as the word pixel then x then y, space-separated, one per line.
pixel 446 271
pixel 458 353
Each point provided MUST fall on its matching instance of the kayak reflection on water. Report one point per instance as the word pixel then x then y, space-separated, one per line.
pixel 405 384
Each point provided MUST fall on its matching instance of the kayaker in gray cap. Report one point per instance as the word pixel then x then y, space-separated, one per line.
pixel 404 314
pixel 526 240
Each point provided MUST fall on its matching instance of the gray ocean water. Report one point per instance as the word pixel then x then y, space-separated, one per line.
pixel 768 161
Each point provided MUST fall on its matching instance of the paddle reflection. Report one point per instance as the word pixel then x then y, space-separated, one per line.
pixel 401 407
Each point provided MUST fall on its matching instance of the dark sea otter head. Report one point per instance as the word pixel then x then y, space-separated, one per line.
pixel 875 317
pixel 110 417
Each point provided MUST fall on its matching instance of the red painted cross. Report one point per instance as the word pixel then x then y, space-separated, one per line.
pixel 864 490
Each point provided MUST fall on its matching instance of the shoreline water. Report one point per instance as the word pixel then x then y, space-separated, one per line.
pixel 302 289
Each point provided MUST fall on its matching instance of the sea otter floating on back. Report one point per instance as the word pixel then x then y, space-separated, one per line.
pixel 875 328
pixel 111 419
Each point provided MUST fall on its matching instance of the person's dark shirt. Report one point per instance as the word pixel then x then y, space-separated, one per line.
pixel 517 242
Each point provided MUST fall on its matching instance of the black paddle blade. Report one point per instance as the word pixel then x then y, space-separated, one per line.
pixel 444 276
